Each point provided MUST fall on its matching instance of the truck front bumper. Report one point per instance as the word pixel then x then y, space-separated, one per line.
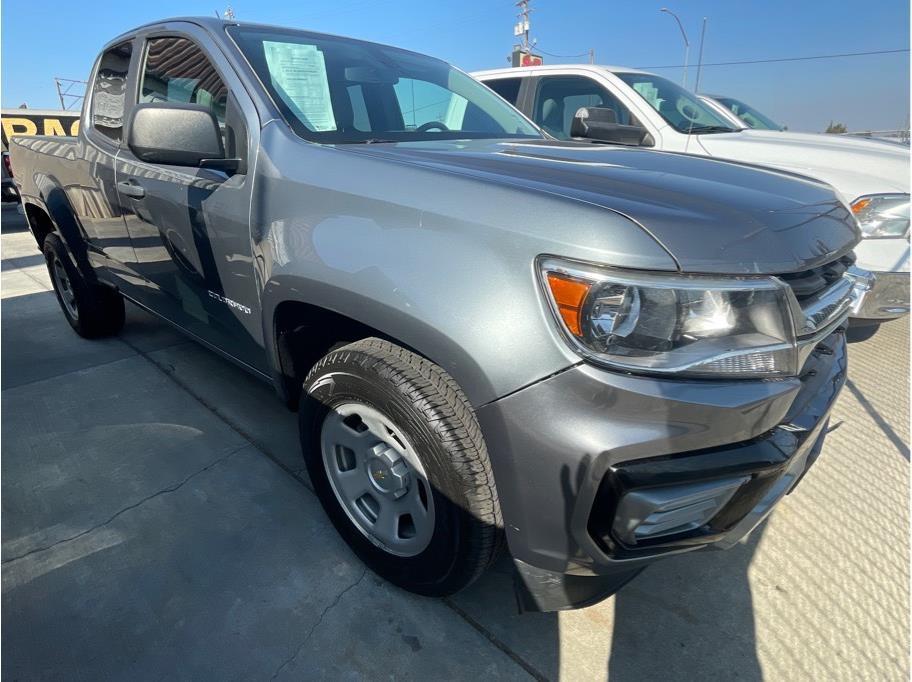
pixel 887 299
pixel 600 474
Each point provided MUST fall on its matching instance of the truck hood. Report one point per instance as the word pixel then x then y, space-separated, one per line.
pixel 855 167
pixel 711 216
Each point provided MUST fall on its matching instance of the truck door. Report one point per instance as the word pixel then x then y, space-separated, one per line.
pixel 190 226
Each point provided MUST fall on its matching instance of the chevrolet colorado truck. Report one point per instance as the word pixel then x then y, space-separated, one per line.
pixel 628 106
pixel 601 356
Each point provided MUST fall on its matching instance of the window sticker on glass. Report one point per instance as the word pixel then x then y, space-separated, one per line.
pixel 649 92
pixel 299 75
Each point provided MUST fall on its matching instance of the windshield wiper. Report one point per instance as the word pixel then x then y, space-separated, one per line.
pixel 699 130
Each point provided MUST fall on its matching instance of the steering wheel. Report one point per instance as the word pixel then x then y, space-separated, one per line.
pixel 430 125
pixel 687 110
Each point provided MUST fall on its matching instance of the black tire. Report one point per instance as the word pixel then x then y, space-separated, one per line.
pixel 432 411
pixel 861 330
pixel 98 310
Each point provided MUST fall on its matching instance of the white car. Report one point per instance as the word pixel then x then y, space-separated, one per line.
pixel 628 106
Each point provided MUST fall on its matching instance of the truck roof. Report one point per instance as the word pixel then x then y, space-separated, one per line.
pixel 216 24
pixel 207 22
pixel 518 70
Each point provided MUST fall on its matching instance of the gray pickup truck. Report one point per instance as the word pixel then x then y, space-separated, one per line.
pixel 601 356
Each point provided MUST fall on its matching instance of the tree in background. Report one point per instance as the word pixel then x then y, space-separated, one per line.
pixel 836 128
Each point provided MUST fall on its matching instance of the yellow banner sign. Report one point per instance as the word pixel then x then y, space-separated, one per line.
pixel 26 123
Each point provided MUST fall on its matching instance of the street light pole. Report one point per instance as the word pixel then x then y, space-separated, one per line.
pixel 686 42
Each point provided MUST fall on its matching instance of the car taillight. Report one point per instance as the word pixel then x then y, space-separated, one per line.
pixel 9 166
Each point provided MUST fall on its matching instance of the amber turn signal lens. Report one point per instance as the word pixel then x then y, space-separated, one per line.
pixel 569 294
pixel 860 205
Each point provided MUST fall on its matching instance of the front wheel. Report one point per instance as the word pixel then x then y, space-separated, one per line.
pixel 396 457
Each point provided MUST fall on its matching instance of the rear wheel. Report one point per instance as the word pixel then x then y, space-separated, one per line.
pixel 93 310
pixel 396 457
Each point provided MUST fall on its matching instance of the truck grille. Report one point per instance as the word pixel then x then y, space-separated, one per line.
pixel 825 294
pixel 809 283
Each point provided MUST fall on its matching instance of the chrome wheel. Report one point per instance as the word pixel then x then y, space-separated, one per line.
pixel 378 479
pixel 64 288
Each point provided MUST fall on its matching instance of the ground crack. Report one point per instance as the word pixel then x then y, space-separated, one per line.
pixel 163 491
pixel 314 627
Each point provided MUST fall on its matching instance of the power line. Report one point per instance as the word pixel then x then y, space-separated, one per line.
pixel 783 59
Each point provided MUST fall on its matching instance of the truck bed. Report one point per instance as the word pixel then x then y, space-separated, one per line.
pixel 33 155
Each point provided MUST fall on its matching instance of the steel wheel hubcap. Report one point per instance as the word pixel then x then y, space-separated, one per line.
pixel 378 479
pixel 65 288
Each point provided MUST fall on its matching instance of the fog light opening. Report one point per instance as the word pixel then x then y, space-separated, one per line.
pixel 654 513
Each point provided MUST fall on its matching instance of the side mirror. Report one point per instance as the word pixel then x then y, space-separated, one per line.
pixel 600 123
pixel 178 135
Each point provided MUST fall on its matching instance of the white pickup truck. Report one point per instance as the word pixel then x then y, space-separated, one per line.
pixel 627 106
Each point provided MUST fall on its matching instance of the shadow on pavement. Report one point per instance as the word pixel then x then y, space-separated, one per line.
pixel 22 262
pixel 690 617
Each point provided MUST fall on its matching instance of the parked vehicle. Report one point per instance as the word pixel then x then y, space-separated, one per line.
pixel 627 106
pixel 10 194
pixel 739 113
pixel 605 355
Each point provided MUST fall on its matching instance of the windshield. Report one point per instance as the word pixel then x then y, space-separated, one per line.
pixel 338 90
pixel 682 110
pixel 752 117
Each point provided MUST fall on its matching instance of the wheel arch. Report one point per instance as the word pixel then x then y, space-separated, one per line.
pixel 51 212
pixel 40 223
pixel 300 329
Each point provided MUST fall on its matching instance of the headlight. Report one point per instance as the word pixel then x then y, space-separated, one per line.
pixel 882 215
pixel 688 325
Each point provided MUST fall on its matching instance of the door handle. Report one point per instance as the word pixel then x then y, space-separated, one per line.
pixel 131 189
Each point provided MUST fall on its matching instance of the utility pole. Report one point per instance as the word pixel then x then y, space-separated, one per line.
pixel 522 53
pixel 700 63
pixel 591 55
pixel 521 29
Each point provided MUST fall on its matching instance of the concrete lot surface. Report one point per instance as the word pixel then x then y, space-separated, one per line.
pixel 157 524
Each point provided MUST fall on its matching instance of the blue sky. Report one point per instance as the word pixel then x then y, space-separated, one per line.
pixel 41 40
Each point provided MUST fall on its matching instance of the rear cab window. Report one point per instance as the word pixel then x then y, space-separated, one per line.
pixel 508 88
pixel 109 90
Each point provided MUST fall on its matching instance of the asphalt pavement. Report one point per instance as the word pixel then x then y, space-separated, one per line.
pixel 157 523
